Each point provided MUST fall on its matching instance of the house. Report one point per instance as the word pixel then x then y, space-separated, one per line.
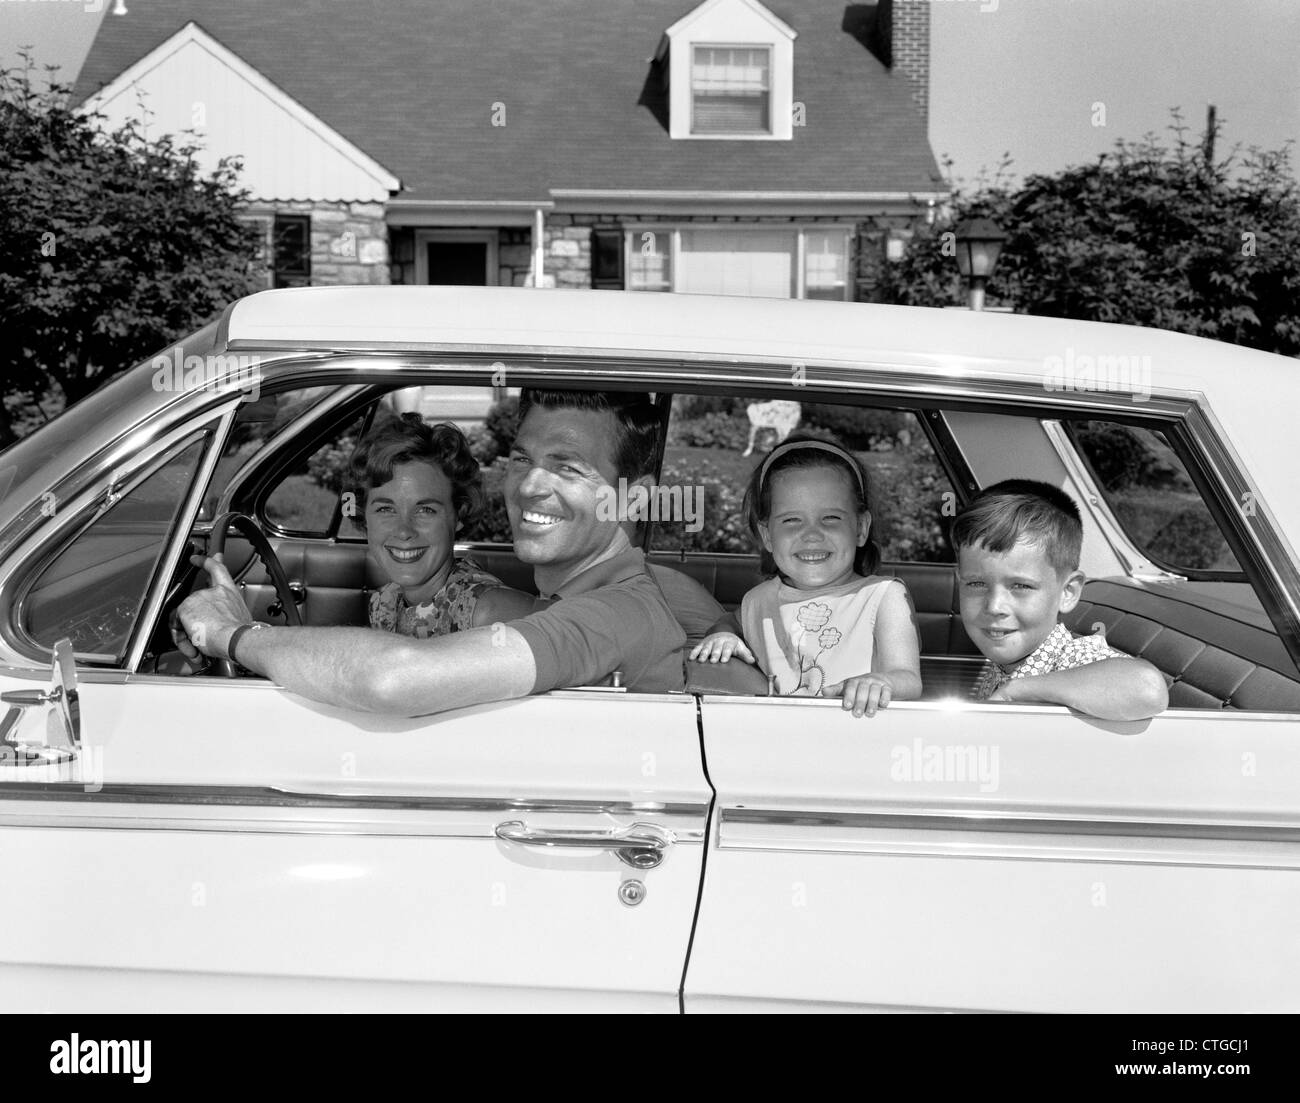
pixel 725 146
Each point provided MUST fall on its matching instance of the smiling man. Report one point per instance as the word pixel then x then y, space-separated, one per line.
pixel 607 612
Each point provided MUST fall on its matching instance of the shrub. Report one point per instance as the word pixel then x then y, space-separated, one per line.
pixel 483 446
pixel 711 430
pixel 500 423
pixel 328 466
pixel 907 494
pixel 857 428
pixel 691 406
pixel 1118 456
pixel 493 527
pixel 723 528
pixel 1189 539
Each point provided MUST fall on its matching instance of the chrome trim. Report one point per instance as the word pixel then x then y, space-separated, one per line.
pixel 1264 537
pixel 272 796
pixel 473 364
pixel 1036 824
pixel 165 570
pixel 467 818
pixel 38 549
pixel 1091 498
pixel 639 845
pixel 326 406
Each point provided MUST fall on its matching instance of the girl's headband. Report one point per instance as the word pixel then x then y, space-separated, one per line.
pixel 821 446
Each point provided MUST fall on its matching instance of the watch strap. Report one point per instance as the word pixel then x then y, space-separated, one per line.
pixel 235 637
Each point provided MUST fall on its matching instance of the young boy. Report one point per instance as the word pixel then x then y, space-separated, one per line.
pixel 1018 549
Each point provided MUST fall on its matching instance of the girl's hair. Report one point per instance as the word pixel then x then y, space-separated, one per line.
pixel 408 439
pixel 799 452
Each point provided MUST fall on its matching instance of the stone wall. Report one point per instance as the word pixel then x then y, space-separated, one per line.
pixel 349 241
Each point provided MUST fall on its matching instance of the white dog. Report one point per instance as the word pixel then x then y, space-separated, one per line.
pixel 779 416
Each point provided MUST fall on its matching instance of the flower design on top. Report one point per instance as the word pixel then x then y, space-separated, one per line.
pixel 830 637
pixel 814 616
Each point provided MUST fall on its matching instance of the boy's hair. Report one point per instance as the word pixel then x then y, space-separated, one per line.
pixel 1023 509
pixel 801 451
pixel 636 448
pixel 408 439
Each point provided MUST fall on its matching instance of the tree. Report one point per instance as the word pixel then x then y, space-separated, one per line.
pixel 114 246
pixel 1148 235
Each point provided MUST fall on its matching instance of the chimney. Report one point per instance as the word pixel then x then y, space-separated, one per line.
pixel 903 35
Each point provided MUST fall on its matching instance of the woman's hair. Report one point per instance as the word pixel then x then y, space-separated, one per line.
pixel 408 439
pixel 800 452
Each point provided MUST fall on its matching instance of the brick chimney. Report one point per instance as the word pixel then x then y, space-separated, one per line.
pixel 902 35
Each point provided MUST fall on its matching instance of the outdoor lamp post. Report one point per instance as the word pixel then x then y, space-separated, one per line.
pixel 979 241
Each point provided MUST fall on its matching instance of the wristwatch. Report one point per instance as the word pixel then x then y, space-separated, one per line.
pixel 251 626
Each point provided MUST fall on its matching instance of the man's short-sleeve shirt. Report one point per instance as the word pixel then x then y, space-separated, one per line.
pixel 1062 650
pixel 611 617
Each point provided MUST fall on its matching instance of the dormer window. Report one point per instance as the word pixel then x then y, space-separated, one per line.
pixel 731 90
pixel 729 65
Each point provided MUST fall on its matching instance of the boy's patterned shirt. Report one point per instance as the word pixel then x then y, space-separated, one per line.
pixel 1062 650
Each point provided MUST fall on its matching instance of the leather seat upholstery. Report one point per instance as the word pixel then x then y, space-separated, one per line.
pixel 1216 655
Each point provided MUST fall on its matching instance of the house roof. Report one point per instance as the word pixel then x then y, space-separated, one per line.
pixel 415 85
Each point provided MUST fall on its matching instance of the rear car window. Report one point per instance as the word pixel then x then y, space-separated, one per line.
pixel 1152 496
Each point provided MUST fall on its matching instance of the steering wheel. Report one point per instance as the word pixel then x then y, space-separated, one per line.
pixel 247 528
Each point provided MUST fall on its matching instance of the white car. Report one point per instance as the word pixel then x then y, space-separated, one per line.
pixel 185 841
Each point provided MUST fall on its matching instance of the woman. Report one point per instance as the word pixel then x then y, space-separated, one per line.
pixel 417 485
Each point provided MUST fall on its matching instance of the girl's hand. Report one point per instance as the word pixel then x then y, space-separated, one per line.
pixel 719 647
pixel 863 694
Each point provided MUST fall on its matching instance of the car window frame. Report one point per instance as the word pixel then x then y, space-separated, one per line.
pixel 1211 463
pixel 40 549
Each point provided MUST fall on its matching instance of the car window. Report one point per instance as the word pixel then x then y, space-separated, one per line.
pixel 255 424
pixel 306 498
pixel 706 458
pixel 94 588
pixel 1150 493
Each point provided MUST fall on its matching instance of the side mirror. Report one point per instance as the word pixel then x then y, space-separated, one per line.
pixel 63 724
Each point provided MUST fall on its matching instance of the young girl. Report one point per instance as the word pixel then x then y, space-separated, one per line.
pixel 417 486
pixel 826 626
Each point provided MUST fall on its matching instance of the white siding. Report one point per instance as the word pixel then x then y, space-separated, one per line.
pixel 192 82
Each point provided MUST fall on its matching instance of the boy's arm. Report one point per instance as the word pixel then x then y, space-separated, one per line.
pixel 1111 689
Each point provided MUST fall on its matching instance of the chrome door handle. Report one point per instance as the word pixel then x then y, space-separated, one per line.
pixel 639 845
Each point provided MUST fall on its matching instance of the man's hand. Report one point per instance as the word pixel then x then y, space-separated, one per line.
pixel 208 617
pixel 863 694
pixel 719 647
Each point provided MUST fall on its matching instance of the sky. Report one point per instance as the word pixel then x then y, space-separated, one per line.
pixel 1050 82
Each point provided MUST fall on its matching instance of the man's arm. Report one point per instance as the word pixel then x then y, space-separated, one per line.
pixel 1112 689
pixel 360 668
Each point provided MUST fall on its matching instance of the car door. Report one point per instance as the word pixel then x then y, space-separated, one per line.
pixel 229 847
pixel 223 845
pixel 956 856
